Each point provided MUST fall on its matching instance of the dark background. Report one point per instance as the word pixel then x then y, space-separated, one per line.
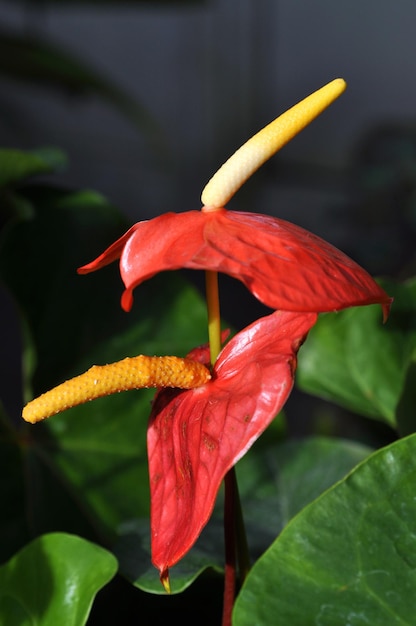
pixel 212 73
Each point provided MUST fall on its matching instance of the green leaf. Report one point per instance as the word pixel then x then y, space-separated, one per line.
pixel 351 359
pixel 16 165
pixel 347 558
pixel 53 580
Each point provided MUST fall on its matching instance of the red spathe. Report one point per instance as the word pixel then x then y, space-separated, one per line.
pixel 283 265
pixel 196 436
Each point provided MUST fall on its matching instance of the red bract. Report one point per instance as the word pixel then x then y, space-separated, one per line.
pixel 283 265
pixel 196 436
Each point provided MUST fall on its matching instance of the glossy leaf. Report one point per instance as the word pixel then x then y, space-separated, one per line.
pixel 353 360
pixel 347 558
pixel 195 437
pixel 53 580
pixel 283 265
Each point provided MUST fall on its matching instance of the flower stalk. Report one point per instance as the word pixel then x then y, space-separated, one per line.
pixel 236 546
pixel 214 317
pixel 216 194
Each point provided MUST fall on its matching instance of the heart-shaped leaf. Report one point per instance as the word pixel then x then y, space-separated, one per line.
pixel 53 580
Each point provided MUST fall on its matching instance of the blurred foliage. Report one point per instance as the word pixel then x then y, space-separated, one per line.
pixel 36 61
pixel 383 175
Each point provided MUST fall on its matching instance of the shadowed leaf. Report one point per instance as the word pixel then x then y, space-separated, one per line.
pixel 355 361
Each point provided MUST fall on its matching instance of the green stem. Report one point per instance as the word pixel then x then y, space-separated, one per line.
pixel 236 548
pixel 214 318
pixel 240 533
pixel 235 535
pixel 230 565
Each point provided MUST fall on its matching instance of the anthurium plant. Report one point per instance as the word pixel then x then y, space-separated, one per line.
pixel 329 564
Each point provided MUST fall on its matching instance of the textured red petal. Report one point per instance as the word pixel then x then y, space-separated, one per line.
pixel 112 253
pixel 283 265
pixel 196 436
pixel 167 242
pixel 287 267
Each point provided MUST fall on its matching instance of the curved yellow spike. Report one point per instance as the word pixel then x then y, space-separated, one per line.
pixel 102 380
pixel 257 150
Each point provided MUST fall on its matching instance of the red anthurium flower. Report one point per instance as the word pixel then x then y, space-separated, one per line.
pixel 196 436
pixel 283 265
pixel 204 420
